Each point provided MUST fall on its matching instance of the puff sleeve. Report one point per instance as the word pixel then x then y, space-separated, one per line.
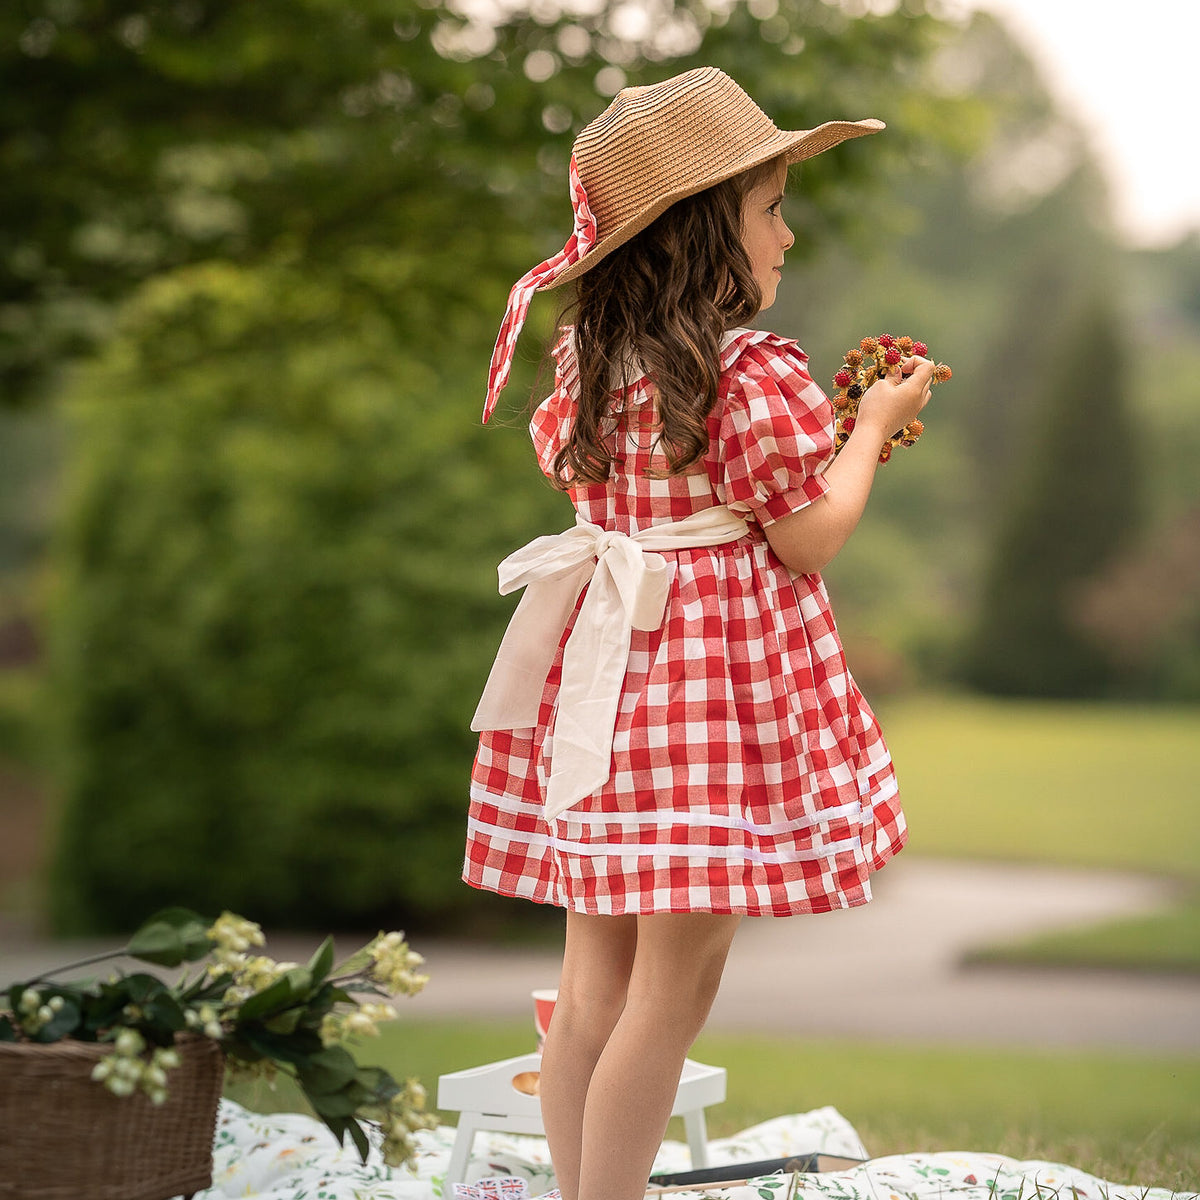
pixel 776 434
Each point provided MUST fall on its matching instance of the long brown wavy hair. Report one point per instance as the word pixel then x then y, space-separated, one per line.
pixel 661 301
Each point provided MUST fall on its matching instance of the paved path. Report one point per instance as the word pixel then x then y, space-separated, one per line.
pixel 887 971
pixel 890 969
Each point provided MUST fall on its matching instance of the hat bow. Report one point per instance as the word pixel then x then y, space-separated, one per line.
pixel 582 239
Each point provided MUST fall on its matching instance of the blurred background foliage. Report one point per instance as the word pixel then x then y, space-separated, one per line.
pixel 252 259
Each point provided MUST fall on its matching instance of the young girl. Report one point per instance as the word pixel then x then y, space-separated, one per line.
pixel 670 739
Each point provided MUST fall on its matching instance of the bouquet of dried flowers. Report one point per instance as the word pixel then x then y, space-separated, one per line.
pixel 267 1016
pixel 873 358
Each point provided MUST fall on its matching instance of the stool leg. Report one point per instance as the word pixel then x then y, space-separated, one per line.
pixel 697 1136
pixel 460 1155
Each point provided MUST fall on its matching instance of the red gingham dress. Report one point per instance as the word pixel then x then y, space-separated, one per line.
pixel 748 773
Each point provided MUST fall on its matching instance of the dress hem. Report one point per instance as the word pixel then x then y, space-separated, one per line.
pixel 878 862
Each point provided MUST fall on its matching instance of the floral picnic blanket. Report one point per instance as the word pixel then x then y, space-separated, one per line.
pixel 288 1156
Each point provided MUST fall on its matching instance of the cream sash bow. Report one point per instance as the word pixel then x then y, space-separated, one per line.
pixel 628 591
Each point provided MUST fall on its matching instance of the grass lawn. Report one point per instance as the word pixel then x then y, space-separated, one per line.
pixel 1028 781
pixel 1167 942
pixel 1110 786
pixel 1127 1118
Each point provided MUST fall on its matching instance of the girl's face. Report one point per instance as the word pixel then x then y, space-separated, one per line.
pixel 765 235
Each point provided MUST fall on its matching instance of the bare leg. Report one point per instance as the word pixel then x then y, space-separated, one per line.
pixel 676 972
pixel 597 963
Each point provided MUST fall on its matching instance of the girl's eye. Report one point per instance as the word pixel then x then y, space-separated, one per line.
pixel 775 208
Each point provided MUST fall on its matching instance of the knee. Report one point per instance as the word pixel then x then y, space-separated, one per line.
pixel 679 999
pixel 594 994
pixel 589 1012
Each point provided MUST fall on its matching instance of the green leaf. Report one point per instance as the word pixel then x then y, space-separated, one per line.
pixel 379 1083
pixel 141 988
pixel 339 1127
pixel 103 1008
pixel 243 1049
pixel 204 988
pixel 333 1104
pixel 360 1139
pixel 329 1071
pixel 297 1048
pixel 292 987
pixel 284 1022
pixel 324 1000
pixel 167 1016
pixel 321 961
pixel 62 1024
pixel 358 961
pixel 8 1031
pixel 171 937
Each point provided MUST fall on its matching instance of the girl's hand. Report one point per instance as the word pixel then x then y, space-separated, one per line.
pixel 807 539
pixel 891 402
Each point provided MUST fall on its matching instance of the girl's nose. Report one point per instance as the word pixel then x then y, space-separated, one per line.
pixel 789 238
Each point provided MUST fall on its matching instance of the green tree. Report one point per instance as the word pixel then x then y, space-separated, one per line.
pixel 400 144
pixel 1081 502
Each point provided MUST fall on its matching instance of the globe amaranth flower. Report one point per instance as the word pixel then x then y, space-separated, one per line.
pixel 873 359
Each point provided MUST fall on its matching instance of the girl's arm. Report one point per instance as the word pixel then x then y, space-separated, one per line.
pixel 807 541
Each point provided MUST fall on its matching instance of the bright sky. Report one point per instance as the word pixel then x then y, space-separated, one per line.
pixel 1131 71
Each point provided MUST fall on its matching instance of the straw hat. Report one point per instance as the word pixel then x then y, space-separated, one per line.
pixel 651 147
pixel 655 145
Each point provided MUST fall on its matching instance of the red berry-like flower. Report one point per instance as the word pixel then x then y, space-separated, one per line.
pixel 876 358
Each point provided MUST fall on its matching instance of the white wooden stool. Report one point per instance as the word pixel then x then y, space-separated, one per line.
pixel 487 1098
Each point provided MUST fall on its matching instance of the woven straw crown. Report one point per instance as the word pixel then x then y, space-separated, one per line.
pixel 655 145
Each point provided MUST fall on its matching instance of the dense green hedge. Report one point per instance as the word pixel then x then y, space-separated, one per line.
pixel 266 650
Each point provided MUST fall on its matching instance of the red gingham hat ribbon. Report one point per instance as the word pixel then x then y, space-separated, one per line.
pixel 582 239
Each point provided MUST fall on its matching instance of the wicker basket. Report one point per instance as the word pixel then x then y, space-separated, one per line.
pixel 65 1137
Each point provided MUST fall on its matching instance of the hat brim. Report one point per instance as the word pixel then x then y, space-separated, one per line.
pixel 793 147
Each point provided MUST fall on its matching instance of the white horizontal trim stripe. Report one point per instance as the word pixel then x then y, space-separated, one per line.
pixel 635 851
pixel 691 817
